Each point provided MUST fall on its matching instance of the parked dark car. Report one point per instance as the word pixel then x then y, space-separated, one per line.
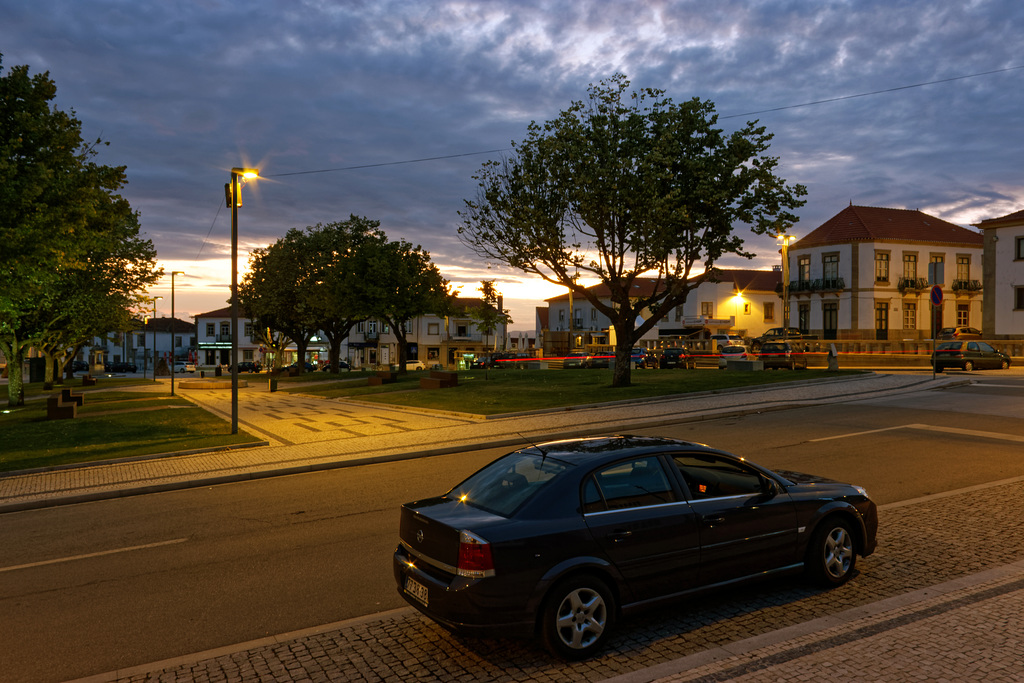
pixel 676 357
pixel 342 365
pixel 958 333
pixel 574 360
pixel 559 540
pixel 650 361
pixel 79 366
pixel 306 367
pixel 969 355
pixel 599 360
pixel 777 355
pixel 251 366
pixel 120 366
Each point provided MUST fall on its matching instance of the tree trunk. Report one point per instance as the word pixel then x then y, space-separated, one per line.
pixel 14 352
pixel 623 346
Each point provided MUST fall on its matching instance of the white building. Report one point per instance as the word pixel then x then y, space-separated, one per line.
pixel 867 273
pixel 1003 310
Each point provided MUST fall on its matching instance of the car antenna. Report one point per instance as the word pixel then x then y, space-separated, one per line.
pixel 543 453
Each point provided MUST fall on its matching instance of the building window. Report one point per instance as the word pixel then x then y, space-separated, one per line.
pixel 909 315
pixel 561 315
pixel 769 311
pixel 803 317
pixel 434 328
pixel 937 270
pixel 707 308
pixel 963 268
pixel 910 266
pixel 746 308
pixel 830 319
pixel 177 342
pixel 248 330
pixel 141 339
pixel 225 329
pixel 210 330
pixel 361 327
pixel 963 315
pixel 1019 252
pixel 830 268
pixel 461 330
pixel 881 266
pixel 803 268
pixel 1018 298
pixel 593 314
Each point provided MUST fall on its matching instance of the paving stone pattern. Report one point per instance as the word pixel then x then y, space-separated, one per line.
pixel 921 545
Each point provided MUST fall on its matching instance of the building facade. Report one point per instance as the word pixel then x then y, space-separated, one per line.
pixel 1003 309
pixel 868 273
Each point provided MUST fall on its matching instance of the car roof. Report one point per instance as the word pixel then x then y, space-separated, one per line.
pixel 594 450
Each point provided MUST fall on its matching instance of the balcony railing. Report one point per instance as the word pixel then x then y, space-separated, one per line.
pixel 819 285
pixel 912 284
pixel 966 286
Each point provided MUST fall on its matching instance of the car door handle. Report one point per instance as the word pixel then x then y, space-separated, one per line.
pixel 714 520
pixel 617 536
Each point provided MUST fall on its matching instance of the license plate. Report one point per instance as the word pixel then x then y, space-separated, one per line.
pixel 416 590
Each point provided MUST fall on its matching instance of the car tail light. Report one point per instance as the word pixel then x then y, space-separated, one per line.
pixel 475 560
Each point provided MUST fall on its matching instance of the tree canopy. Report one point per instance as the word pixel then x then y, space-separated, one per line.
pixel 69 245
pixel 626 186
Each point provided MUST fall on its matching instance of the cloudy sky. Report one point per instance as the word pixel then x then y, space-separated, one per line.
pixel 387 108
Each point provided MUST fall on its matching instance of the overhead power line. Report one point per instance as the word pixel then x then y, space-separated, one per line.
pixel 874 92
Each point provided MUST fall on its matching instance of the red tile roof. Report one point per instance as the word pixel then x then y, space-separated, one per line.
pixel 1015 218
pixel 873 224
pixel 745 279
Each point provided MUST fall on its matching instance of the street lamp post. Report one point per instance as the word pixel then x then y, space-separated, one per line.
pixel 786 239
pixel 173 273
pixel 234 197
pixel 154 335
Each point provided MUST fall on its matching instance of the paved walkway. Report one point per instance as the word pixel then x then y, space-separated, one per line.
pixel 965 629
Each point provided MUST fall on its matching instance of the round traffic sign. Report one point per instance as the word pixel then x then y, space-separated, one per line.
pixel 936 295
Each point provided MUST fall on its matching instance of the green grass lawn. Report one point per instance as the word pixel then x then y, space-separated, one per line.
pixel 111 424
pixel 513 391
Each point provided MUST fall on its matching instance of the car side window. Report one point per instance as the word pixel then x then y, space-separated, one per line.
pixel 973 346
pixel 987 348
pixel 709 476
pixel 631 483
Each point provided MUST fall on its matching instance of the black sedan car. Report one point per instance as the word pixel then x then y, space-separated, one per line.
pixel 968 355
pixel 558 540
pixel 676 357
pixel 778 355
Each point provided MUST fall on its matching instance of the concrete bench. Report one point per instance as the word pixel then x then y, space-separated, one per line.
pixel 744 365
pixel 440 379
pixel 66 396
pixel 57 409
pixel 88 381
pixel 383 377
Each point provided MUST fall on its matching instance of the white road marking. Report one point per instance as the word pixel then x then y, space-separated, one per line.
pixel 932 428
pixel 88 555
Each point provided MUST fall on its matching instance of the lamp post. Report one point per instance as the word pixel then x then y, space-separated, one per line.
pixel 173 368
pixel 154 335
pixel 234 198
pixel 786 239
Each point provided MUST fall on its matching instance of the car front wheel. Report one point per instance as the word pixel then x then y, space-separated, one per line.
pixel 577 618
pixel 969 366
pixel 831 557
pixel 1005 365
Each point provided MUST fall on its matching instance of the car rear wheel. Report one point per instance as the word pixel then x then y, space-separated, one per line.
pixel 969 366
pixel 831 557
pixel 577 618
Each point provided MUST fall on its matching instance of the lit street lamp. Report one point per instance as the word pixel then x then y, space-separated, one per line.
pixel 173 368
pixel 234 199
pixel 154 335
pixel 785 239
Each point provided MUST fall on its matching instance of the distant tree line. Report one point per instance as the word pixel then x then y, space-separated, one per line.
pixel 330 277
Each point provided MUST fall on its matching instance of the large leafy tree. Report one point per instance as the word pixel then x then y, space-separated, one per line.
pixel 339 251
pixel 279 290
pixel 400 283
pixel 627 186
pixel 59 211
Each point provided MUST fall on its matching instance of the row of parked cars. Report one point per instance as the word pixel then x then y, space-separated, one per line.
pixel 772 354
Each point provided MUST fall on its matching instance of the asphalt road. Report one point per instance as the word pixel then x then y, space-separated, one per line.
pixel 94 587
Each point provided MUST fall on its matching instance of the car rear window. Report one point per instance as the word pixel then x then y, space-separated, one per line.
pixel 733 349
pixel 948 346
pixel 507 483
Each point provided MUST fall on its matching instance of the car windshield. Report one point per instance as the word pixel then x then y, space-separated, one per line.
pixel 503 486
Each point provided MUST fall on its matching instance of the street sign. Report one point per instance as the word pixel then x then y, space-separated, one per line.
pixel 936 295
